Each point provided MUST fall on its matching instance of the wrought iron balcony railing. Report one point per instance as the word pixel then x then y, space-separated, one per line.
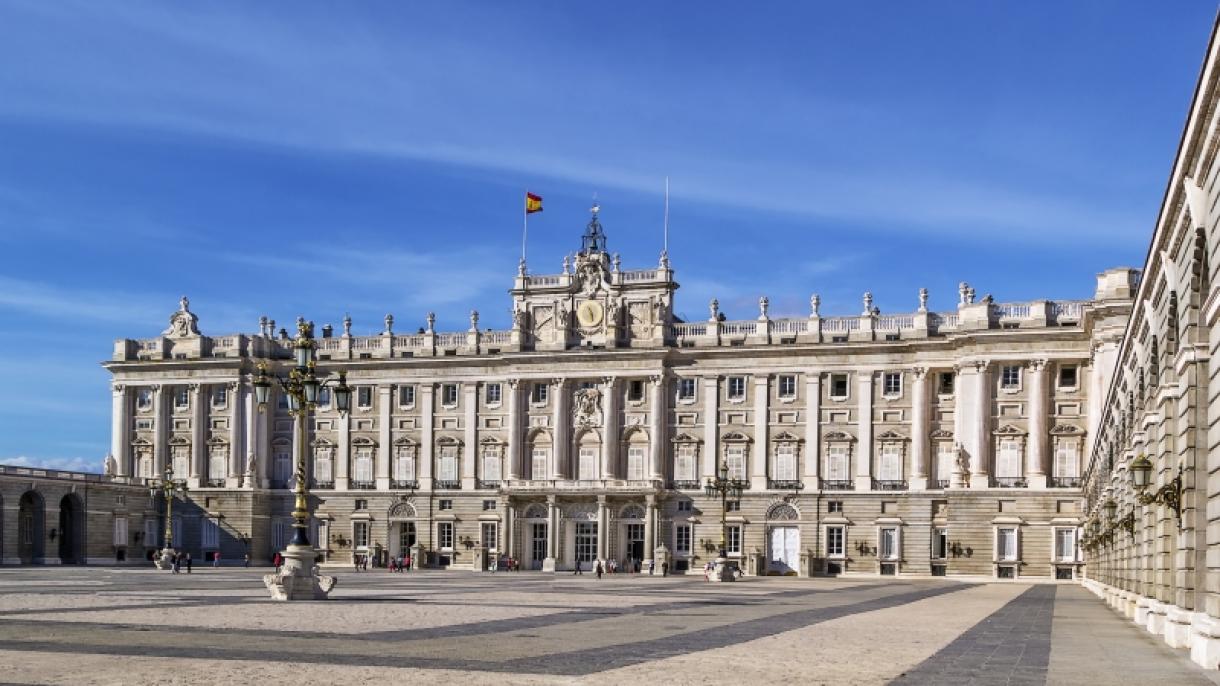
pixel 889 485
pixel 686 485
pixel 487 484
pixel 785 485
pixel 1008 482
pixel 404 484
pixel 838 485
pixel 447 485
pixel 363 485
pixel 1065 482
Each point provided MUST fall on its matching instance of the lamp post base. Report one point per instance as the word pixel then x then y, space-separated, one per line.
pixel 724 570
pixel 299 578
pixel 164 559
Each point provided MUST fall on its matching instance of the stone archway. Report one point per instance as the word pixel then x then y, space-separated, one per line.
pixel 31 528
pixel 71 534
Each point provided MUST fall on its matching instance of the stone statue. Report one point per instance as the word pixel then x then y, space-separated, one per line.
pixel 474 320
pixel 764 304
pixel 868 303
pixel 815 301
pixel 963 463
pixel 962 289
pixel 714 309
pixel 431 322
pixel 658 311
pixel 566 264
pixel 109 465
pixel 561 315
pixel 923 300
pixel 612 311
pixel 182 323
pixel 251 469
pixel 389 324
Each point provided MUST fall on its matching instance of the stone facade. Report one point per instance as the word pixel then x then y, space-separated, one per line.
pixel 910 444
pixel 1152 552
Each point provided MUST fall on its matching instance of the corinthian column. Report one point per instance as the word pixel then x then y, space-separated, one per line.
pixel 120 421
pixel 758 463
pixel 514 429
pixel 919 429
pixel 1036 470
pixel 199 451
pixel 610 429
pixel 656 421
pixel 864 426
pixel 381 467
pixel 563 438
pixel 237 417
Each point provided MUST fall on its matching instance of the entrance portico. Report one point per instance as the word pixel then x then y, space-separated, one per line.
pixel 591 527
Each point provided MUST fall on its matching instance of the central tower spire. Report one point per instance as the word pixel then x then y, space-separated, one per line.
pixel 594 239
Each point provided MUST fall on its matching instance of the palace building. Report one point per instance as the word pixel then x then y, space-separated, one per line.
pixel 925 443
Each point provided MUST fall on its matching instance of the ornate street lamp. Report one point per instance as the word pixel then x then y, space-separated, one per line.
pixel 299 578
pixel 170 488
pixel 722 485
pixel 1169 495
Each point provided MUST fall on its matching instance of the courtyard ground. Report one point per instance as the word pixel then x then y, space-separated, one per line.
pixel 133 626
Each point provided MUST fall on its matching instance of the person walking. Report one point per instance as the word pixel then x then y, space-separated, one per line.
pixel 578 570
pixel 598 569
pixel 216 560
pixel 175 562
pixel 247 560
pixel 188 563
pixel 407 566
pixel 356 562
pixel 664 569
pixel 652 564
pixel 277 560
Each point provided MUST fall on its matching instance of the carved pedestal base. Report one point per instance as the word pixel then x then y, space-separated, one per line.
pixel 299 578
pixel 164 559
pixel 548 564
pixel 724 570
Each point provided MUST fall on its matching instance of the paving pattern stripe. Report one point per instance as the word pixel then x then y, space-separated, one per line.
pixel 1010 646
pixel 573 663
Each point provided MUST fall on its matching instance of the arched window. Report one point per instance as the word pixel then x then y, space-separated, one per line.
pixel 588 446
pixel 540 456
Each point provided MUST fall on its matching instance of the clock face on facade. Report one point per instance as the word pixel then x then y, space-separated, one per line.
pixel 589 313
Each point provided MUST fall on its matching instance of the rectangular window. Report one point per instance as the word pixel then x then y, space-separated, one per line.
pixel 785 462
pixel 940 543
pixel 1006 544
pixel 489 505
pixel 736 388
pixel 1067 376
pixel 282 464
pixel 406 396
pixel 1008 460
pixel 360 534
pixel 444 504
pixel 281 400
pixel 152 533
pixel 491 463
pixel 489 535
pixel 838 385
pixel 364 397
pixel 635 463
pixel 735 456
pixel 685 506
pixel 209 534
pixel 218 462
pixel 682 539
pixel 888 543
pixel 322 463
pixel 787 386
pixel 1066 462
pixel 538 394
pixel 323 398
pixel 220 396
pixel 1010 376
pixel 1065 545
pixel 363 462
pixel 449 395
pixel 538 463
pixel 834 541
pixel 945 384
pixel 891 383
pixel 444 535
pixel 404 463
pixel 361 504
pixel 686 389
pixel 733 533
pixel 182 397
pixel 144 398
pixel 586 541
pixel 732 506
pixel 181 460
pixel 635 390
pixel 833 506
pixel 587 463
pixel 120 531
pixel 890 468
pixel 491 393
pixel 447 464
pixel 946 455
pixel 684 463
pixel 836 462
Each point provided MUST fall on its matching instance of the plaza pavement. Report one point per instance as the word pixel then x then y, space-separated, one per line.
pixel 132 626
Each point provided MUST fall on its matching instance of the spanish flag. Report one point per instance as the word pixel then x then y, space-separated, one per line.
pixel 533 203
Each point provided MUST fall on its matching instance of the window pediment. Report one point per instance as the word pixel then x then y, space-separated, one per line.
pixel 362 441
pixel 736 437
pixel 322 443
pixel 891 436
pixel 941 434
pixel 448 440
pixel 492 440
pixel 217 440
pixel 179 440
pixel 838 436
pixel 1066 430
pixel 406 440
pixel 786 437
pixel 684 438
pixel 1009 430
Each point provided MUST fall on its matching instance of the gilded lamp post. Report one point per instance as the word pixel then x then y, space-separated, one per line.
pixel 722 485
pixel 299 578
pixel 170 488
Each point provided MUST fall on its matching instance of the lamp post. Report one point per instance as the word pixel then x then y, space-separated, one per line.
pixel 722 485
pixel 299 578
pixel 170 488
pixel 1169 495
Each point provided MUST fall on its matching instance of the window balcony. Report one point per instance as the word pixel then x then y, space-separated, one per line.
pixel 447 485
pixel 941 484
pixel 1008 482
pixel 215 483
pixel 889 485
pixel 401 484
pixel 1065 482
pixel 487 484
pixel 322 484
pixel 838 485
pixel 686 485
pixel 785 485
pixel 363 485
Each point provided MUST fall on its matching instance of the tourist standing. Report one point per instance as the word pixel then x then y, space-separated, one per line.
pixel 652 564
pixel 188 563
pixel 247 560
pixel 175 562
pixel 216 559
pixel 598 569
pixel 578 570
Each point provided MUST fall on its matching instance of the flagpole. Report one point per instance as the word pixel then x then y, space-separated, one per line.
pixel 665 246
pixel 525 228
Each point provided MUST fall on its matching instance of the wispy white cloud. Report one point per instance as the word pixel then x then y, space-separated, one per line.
pixel 68 464
pixel 72 304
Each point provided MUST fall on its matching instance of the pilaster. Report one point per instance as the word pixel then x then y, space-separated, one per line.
pixel 237 417
pixel 120 429
pixel 1037 468
pixel 199 452
pixel 758 461
pixel 427 419
pixel 610 399
pixel 919 429
pixel 656 421
pixel 160 432
pixel 813 420
pixel 514 429
pixel 381 469
pixel 864 429
pixel 711 426
pixel 343 458
pixel 470 434
pixel 563 438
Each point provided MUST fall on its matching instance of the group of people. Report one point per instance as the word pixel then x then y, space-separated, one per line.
pixel 402 563
pixel 508 564
pixel 179 559
pixel 632 567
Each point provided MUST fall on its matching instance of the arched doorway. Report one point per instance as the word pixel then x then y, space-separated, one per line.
pixel 783 539
pixel 402 535
pixel 71 530
pixel 31 528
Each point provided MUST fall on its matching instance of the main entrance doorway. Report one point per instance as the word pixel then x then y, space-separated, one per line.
pixel 406 538
pixel 31 534
pixel 635 542
pixel 537 545
pixel 71 531
pixel 784 543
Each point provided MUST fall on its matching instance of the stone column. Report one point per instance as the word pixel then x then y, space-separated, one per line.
pixel 514 430
pixel 603 529
pixel 919 429
pixel 160 432
pixel 970 419
pixel 264 444
pixel 813 420
pixel 381 464
pixel 552 534
pixel 864 427
pixel 427 417
pixel 120 429
pixel 711 426
pixel 252 446
pixel 470 434
pixel 1037 468
pixel 610 468
pixel 343 453
pixel 563 438
pixel 650 529
pixel 199 448
pixel 758 461
pixel 237 415
pixel 656 423
pixel 508 535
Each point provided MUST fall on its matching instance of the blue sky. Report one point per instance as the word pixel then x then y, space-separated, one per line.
pixel 150 150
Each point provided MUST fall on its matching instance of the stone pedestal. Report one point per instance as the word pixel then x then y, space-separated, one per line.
pixel 1156 618
pixel 1205 641
pixel 417 557
pixel 724 570
pixel 661 557
pixel 299 578
pixel 165 558
pixel 1177 627
pixel 548 564
pixel 480 559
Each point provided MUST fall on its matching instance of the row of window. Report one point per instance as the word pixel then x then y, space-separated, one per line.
pixel 219 396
